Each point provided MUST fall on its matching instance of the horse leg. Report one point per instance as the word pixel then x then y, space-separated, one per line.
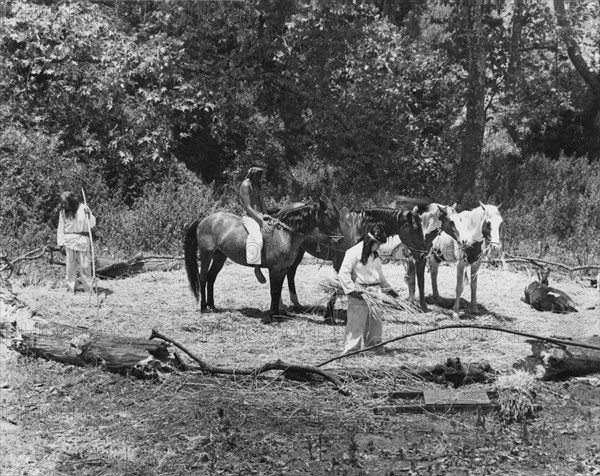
pixel 460 285
pixel 217 264
pixel 421 281
pixel 474 273
pixel 276 278
pixel 433 269
pixel 205 261
pixel 410 278
pixel 291 279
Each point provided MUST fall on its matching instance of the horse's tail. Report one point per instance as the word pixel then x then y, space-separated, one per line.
pixel 191 262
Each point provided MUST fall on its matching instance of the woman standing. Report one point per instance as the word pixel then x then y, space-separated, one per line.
pixel 361 269
pixel 73 238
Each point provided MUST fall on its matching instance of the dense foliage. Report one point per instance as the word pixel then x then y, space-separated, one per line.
pixel 157 109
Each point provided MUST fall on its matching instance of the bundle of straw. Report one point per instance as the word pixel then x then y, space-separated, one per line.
pixel 380 304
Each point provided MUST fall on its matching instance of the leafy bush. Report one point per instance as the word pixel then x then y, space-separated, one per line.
pixel 556 209
pixel 157 220
pixel 33 173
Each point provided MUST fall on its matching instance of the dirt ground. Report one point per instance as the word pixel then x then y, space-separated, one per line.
pixel 59 419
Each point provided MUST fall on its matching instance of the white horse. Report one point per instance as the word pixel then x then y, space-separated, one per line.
pixel 466 240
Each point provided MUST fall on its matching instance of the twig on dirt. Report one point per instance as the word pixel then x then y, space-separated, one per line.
pixel 29 256
pixel 289 370
pixel 519 259
pixel 461 326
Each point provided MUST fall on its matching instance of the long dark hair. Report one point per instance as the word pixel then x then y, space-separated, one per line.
pixel 376 235
pixel 69 204
pixel 254 175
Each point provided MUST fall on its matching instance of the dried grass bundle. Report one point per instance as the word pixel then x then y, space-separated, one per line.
pixel 516 396
pixel 380 304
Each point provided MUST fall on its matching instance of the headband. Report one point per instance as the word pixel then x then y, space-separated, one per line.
pixel 370 235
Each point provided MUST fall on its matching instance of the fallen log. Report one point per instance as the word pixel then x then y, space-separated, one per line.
pixel 82 347
pixel 105 268
pixel 137 264
pixel 33 335
pixel 557 362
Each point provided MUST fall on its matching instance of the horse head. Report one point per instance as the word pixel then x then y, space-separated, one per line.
pixel 329 222
pixel 543 273
pixel 453 223
pixel 490 228
pixel 414 239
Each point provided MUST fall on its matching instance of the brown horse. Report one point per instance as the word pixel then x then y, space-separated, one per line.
pixel 355 224
pixel 434 219
pixel 222 235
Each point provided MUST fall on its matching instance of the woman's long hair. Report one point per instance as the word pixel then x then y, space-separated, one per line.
pixel 254 175
pixel 376 235
pixel 69 204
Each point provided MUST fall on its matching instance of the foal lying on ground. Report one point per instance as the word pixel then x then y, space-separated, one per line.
pixel 544 298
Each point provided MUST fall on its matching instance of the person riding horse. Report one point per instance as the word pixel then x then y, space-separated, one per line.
pixel 256 219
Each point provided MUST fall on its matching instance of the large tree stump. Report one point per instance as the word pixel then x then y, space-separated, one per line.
pixel 32 335
pixel 554 362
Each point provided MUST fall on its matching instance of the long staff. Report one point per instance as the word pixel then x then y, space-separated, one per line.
pixel 94 284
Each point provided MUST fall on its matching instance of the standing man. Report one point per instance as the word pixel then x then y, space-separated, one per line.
pixel 255 219
pixel 73 238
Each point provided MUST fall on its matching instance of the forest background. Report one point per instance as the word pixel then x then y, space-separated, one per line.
pixel 158 108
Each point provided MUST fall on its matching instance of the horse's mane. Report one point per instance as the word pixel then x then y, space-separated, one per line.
pixel 408 203
pixel 300 219
pixel 389 218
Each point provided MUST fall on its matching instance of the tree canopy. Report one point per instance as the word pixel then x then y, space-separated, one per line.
pixel 354 100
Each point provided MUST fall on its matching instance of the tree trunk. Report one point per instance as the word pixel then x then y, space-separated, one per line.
pixel 591 115
pixel 472 11
pixel 514 54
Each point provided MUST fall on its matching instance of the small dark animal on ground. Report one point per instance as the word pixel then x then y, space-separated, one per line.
pixel 544 298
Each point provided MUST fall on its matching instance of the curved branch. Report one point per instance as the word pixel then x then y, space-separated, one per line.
pixel 289 370
pixel 462 326
pixel 591 78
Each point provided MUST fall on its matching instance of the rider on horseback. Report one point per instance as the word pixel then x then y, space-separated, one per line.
pixel 255 220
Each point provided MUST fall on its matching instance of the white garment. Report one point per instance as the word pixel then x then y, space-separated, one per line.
pixel 353 272
pixel 83 259
pixel 254 242
pixel 69 230
pixel 362 329
pixel 73 234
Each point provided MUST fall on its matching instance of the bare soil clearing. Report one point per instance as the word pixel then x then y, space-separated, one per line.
pixel 60 419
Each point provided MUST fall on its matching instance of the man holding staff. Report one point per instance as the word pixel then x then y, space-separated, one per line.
pixel 73 236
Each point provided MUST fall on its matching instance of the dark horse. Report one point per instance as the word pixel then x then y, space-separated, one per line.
pixel 355 224
pixel 222 235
